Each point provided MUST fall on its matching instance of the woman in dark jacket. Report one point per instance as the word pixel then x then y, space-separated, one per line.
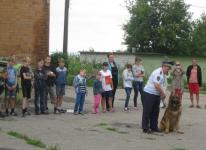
pixel 112 66
pixel 194 81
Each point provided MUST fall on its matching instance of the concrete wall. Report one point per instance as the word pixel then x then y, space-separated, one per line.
pixel 24 28
pixel 100 57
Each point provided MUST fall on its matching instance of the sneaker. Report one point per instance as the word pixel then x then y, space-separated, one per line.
pixel 13 114
pixel 63 111
pixel 7 114
pixel 126 109
pixel 75 113
pixel 44 113
pixel 37 113
pixel 81 113
pixel 23 115
pixel 147 131
pixel 156 130
pixel 198 106
pixel 27 113
pixel 191 106
pixel 2 115
pixel 135 108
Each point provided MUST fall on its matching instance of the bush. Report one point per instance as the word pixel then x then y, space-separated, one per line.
pixel 73 64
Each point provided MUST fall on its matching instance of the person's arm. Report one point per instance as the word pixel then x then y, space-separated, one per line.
pixel 157 85
pixel 142 72
pixel 26 77
pixel 200 76
pixel 188 71
pixel 75 82
pixel 125 77
pixel 160 90
pixel 112 85
pixel 14 86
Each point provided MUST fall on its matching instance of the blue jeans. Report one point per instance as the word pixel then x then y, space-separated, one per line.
pixel 80 97
pixel 138 87
pixel 128 92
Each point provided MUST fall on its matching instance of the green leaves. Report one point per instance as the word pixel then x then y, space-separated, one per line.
pixel 161 26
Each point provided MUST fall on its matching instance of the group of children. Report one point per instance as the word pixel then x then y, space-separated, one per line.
pixel 50 81
pixel 46 80
pixel 102 90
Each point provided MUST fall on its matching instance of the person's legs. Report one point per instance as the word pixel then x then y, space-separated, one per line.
pixel 81 104
pixel 94 104
pixel 62 93
pixel 191 99
pixel 135 93
pixel 141 86
pixel 155 113
pixel 109 94
pixel 147 110
pixel 103 102
pixel 42 100
pixel 46 97
pixel 191 90
pixel 78 97
pixel 97 100
pixel 36 100
pixel 53 97
pixel 6 102
pixel 197 99
pixel 115 84
pixel 128 92
pixel 13 105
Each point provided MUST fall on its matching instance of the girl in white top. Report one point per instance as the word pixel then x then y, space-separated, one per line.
pixel 107 86
pixel 127 81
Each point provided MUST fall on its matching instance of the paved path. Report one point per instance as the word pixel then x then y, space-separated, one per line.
pixel 110 131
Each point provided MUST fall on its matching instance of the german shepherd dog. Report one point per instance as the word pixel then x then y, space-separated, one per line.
pixel 171 118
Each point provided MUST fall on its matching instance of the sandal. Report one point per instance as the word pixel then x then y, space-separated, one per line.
pixel 198 106
pixel 191 106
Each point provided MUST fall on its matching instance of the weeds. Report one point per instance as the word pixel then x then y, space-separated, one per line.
pixel 32 141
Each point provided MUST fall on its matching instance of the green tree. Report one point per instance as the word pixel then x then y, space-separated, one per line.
pixel 158 26
pixel 199 36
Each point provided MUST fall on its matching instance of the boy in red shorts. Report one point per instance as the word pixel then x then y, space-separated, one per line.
pixel 194 80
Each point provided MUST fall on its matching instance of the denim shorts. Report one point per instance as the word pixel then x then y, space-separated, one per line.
pixel 10 94
pixel 60 90
pixel 107 94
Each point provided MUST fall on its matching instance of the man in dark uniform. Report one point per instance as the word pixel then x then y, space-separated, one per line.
pixel 153 93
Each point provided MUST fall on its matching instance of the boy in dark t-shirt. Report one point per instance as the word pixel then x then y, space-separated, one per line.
pixel 39 87
pixel 26 78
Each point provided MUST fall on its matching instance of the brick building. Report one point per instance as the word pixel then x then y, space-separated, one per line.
pixel 24 28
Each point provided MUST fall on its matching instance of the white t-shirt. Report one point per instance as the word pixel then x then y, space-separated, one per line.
pixel 158 77
pixel 106 78
pixel 138 69
pixel 127 78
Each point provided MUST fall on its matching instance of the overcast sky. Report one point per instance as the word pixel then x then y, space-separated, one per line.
pixel 96 24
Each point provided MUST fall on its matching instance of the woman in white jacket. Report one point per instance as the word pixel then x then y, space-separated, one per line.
pixel 127 82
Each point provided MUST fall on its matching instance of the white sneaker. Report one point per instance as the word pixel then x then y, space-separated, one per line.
pixel 126 109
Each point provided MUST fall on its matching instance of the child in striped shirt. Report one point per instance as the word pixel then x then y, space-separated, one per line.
pixel 79 84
